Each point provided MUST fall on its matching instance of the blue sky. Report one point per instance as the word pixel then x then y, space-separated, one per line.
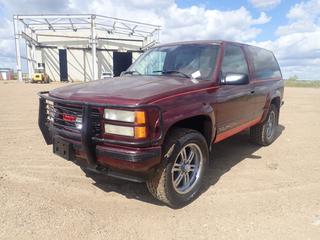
pixel 290 28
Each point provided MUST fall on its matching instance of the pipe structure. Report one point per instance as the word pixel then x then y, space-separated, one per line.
pixel 18 53
pixel 33 52
pixel 95 30
pixel 29 57
pixel 94 48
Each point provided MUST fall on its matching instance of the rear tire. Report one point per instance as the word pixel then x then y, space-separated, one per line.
pixel 265 133
pixel 178 180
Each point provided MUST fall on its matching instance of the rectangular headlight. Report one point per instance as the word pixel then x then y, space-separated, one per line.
pixel 137 117
pixel 119 130
pixel 119 115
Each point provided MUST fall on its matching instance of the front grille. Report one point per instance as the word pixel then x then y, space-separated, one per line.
pixel 69 117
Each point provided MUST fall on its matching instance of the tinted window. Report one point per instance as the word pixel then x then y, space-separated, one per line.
pixel 264 63
pixel 234 61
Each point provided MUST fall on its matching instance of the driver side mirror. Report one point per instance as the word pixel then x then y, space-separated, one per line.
pixel 235 79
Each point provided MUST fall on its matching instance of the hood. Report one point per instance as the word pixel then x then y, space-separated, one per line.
pixel 125 90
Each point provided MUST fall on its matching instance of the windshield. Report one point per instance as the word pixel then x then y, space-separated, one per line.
pixel 192 60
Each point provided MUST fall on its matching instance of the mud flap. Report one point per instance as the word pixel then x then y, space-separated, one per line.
pixel 173 150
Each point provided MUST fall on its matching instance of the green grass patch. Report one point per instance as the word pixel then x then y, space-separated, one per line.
pixel 302 83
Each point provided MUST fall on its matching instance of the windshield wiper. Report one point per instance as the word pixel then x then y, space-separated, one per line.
pixel 131 72
pixel 173 71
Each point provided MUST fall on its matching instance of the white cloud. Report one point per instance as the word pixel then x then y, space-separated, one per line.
pixel 265 4
pixel 297 27
pixel 303 17
pixel 238 25
pixel 181 23
pixel 305 11
pixel 7 48
pixel 34 6
pixel 298 44
pixel 177 23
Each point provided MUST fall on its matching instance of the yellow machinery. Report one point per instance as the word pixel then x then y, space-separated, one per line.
pixel 40 75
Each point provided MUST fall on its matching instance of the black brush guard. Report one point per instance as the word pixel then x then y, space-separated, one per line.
pixel 88 138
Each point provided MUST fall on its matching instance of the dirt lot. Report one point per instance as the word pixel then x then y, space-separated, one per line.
pixel 251 192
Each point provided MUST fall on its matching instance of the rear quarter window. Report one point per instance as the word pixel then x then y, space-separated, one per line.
pixel 264 63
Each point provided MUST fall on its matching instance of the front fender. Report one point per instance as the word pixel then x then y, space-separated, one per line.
pixel 179 114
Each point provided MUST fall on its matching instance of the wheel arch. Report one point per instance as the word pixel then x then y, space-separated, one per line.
pixel 274 99
pixel 202 123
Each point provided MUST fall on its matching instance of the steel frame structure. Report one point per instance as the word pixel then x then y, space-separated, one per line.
pixel 31 28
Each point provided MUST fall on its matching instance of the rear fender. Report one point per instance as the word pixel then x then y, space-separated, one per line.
pixel 276 94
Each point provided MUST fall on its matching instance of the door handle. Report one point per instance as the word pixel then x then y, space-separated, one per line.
pixel 252 92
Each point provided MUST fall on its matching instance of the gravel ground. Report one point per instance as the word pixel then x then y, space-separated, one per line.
pixel 250 193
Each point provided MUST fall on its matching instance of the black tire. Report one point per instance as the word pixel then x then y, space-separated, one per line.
pixel 161 186
pixel 264 134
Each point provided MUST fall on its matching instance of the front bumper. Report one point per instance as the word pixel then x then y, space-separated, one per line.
pixel 135 162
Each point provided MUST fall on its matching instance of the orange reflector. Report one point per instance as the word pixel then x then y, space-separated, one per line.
pixel 140 117
pixel 140 132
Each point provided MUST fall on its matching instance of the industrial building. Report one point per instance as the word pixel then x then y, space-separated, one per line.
pixel 80 47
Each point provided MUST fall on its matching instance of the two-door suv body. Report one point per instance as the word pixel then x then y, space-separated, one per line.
pixel 158 121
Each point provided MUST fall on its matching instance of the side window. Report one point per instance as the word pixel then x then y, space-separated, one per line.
pixel 234 61
pixel 264 63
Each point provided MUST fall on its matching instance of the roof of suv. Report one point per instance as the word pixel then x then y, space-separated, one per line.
pixel 200 42
pixel 218 42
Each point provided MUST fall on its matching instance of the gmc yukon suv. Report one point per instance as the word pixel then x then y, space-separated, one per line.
pixel 159 120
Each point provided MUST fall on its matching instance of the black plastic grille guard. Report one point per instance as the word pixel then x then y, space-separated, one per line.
pixel 87 137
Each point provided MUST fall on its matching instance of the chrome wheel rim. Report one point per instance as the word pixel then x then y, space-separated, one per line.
pixel 187 168
pixel 270 124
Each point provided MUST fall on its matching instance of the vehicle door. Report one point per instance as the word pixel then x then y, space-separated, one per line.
pixel 234 102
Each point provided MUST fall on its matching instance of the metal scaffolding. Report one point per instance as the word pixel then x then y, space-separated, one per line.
pixel 83 27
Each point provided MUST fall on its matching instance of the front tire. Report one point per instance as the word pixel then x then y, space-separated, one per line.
pixel 265 133
pixel 178 181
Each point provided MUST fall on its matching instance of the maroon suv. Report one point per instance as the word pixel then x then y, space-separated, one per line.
pixel 157 122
